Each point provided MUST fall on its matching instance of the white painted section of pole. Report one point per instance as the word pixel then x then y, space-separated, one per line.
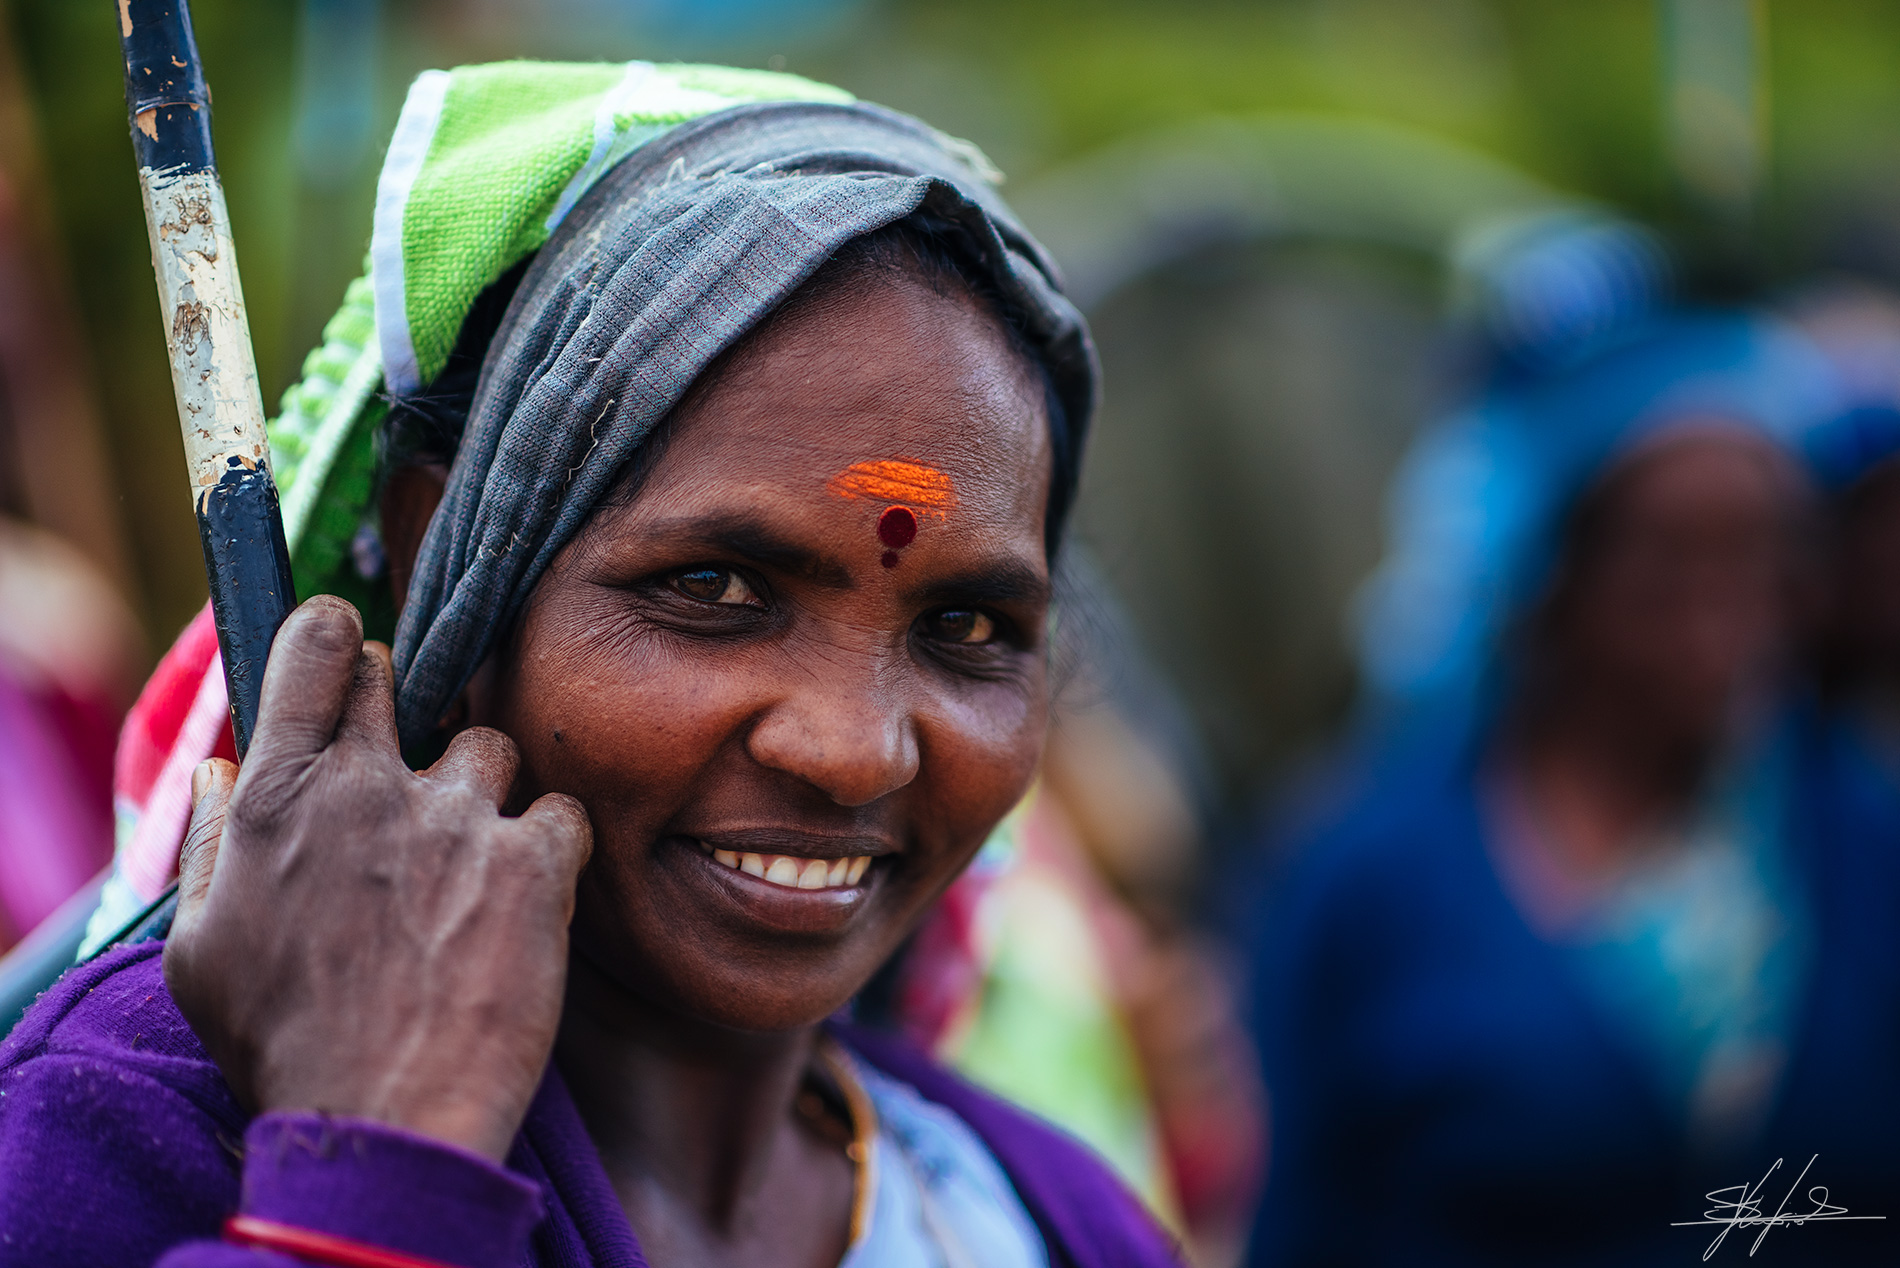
pixel 207 334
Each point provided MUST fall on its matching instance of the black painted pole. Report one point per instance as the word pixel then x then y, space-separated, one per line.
pixel 214 376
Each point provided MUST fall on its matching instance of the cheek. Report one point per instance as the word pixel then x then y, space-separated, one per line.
pixel 625 726
pixel 981 750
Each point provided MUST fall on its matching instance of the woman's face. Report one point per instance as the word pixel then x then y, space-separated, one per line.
pixel 1683 589
pixel 810 647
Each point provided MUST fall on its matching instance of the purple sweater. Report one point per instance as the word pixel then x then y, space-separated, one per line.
pixel 121 1145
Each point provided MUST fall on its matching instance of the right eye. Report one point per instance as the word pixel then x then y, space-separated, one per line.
pixel 715 585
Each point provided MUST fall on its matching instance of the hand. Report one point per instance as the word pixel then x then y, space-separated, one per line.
pixel 357 939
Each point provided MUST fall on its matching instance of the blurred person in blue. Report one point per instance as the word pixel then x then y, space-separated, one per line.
pixel 1856 455
pixel 1588 926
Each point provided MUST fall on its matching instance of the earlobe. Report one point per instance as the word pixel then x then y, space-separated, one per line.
pixel 410 496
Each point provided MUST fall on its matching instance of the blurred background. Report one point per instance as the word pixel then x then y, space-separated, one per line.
pixel 1307 233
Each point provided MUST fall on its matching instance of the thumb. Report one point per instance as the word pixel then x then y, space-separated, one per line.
pixel 307 683
pixel 211 786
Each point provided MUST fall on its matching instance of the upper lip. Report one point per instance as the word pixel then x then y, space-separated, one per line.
pixel 791 841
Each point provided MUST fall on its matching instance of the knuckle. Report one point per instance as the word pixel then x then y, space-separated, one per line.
pixel 191 854
pixel 580 828
pixel 541 849
pixel 260 804
pixel 252 814
pixel 488 742
pixel 565 828
pixel 271 794
pixel 481 758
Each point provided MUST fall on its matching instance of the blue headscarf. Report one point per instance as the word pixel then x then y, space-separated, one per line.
pixel 1477 506
pixel 1859 333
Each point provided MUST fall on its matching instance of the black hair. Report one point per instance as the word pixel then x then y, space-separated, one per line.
pixel 425 427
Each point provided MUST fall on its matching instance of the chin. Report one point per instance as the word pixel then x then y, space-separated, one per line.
pixel 741 1009
pixel 726 996
pixel 768 984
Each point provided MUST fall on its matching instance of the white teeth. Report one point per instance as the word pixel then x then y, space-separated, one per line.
pixel 796 873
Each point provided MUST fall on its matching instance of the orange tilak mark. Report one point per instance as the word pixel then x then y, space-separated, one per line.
pixel 899 480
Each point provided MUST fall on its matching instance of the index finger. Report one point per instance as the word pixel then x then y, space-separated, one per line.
pixel 198 856
pixel 369 711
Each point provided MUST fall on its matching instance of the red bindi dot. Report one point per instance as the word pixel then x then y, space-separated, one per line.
pixel 897 527
pixel 890 559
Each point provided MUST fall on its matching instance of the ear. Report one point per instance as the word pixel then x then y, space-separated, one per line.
pixel 410 496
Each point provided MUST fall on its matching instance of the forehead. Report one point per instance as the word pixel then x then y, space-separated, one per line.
pixel 1703 469
pixel 869 385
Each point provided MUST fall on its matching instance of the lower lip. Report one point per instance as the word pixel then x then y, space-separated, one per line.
pixel 781 907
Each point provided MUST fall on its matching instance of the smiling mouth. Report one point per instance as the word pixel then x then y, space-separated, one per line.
pixel 789 871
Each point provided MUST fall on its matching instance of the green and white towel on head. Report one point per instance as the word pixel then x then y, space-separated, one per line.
pixel 484 164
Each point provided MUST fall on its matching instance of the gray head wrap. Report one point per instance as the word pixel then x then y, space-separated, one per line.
pixel 687 245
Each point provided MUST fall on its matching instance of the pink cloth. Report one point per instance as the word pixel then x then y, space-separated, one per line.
pixel 55 820
pixel 63 789
pixel 181 718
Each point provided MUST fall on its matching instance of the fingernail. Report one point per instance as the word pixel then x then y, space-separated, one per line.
pixel 200 782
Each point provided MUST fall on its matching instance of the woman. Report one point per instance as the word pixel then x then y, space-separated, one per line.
pixel 1584 943
pixel 727 622
pixel 1858 329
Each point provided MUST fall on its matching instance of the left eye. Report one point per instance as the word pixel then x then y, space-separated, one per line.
pixel 714 585
pixel 960 625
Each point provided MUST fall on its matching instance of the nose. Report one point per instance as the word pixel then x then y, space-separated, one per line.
pixel 845 729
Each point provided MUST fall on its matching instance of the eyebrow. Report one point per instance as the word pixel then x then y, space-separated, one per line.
pixel 1005 581
pixel 752 539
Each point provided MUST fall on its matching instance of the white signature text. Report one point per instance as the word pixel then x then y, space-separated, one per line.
pixel 1740 1206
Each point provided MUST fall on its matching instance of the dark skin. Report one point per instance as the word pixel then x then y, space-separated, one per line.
pixel 719 662
pixel 1678 603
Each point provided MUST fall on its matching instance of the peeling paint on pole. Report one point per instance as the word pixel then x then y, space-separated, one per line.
pixel 214 374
